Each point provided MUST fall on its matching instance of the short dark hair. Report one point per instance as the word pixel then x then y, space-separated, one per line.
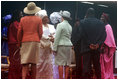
pixel 90 12
pixel 15 15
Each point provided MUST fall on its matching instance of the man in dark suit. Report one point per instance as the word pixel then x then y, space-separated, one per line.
pixel 91 35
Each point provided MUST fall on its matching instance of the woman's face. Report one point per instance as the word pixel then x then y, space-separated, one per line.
pixel 45 20
pixel 103 18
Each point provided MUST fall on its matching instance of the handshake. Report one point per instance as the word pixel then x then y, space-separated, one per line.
pixel 51 37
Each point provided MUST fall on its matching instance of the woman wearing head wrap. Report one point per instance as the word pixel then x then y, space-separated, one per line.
pixel 106 57
pixel 44 66
pixel 55 18
pixel 29 35
pixel 15 66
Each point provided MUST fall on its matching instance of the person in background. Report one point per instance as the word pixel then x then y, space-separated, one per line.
pixel 77 22
pixel 55 19
pixel 29 35
pixel 4 35
pixel 78 56
pixel 106 57
pixel 62 47
pixel 14 57
pixel 91 35
pixel 45 66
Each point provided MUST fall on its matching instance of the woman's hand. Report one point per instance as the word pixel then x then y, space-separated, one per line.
pixel 55 52
pixel 51 38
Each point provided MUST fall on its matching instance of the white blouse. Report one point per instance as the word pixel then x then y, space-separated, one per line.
pixel 50 30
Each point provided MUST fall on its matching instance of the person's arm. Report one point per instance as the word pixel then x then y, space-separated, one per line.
pixel 57 37
pixel 14 28
pixel 52 34
pixel 19 34
pixel 103 35
pixel 76 34
pixel 40 29
pixel 4 35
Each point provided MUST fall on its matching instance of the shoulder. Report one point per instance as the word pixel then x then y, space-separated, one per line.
pixel 59 24
pixel 62 24
pixel 22 18
pixel 25 17
pixel 108 26
pixel 100 22
pixel 16 23
pixel 37 17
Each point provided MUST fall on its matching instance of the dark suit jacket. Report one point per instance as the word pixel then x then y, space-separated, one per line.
pixel 90 31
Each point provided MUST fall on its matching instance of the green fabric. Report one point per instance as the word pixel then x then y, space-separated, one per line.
pixel 63 56
pixel 63 35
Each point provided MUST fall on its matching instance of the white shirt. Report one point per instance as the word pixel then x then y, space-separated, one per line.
pixel 50 30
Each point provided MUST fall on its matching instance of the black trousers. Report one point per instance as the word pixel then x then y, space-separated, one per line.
pixel 88 58
pixel 78 58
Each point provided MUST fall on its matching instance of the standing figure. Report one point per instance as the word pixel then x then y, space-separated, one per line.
pixel 90 35
pixel 29 35
pixel 4 35
pixel 14 57
pixel 106 57
pixel 55 19
pixel 4 43
pixel 62 47
pixel 78 55
pixel 45 66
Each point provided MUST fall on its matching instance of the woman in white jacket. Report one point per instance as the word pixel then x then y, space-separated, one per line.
pixel 45 66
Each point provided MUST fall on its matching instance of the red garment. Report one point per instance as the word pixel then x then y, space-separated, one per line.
pixel 106 58
pixel 12 32
pixel 30 29
pixel 15 68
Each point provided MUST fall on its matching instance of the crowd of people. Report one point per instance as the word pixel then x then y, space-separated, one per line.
pixel 36 43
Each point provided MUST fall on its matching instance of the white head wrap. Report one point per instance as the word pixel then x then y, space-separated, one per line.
pixel 55 17
pixel 41 13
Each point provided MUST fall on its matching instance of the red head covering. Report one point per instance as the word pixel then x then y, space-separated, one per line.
pixel 106 16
